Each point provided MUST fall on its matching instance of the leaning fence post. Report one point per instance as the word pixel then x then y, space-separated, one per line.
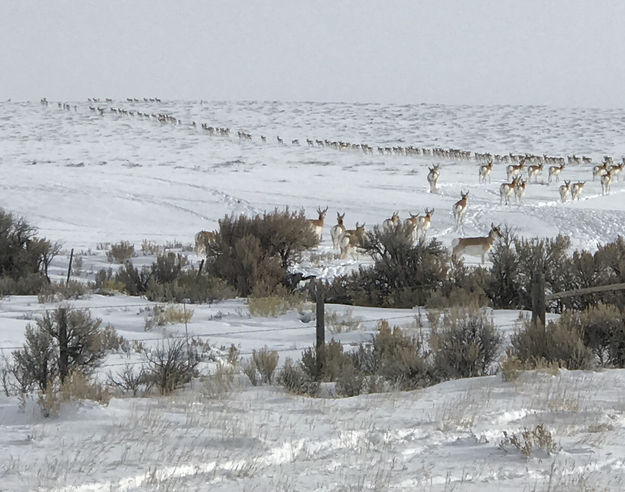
pixel 319 298
pixel 69 268
pixel 538 299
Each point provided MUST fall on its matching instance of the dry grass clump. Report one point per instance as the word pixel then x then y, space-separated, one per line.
pixel 263 363
pixel 161 316
pixel 269 302
pixel 528 441
pixel 120 252
pixel 560 342
pixel 61 291
pixel 336 322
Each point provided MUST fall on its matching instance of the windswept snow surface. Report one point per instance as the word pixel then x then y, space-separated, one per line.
pixel 86 179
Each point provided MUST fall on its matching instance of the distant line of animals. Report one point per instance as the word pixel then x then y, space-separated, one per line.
pixel 438 152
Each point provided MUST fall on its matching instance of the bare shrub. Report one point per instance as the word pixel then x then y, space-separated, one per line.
pixel 603 327
pixel 400 359
pixel 110 340
pixel 63 341
pixel 404 274
pixel 560 342
pixel 529 440
pixel 61 291
pixel 249 250
pixel 131 380
pixel 120 252
pixel 170 365
pixel 350 382
pixel 339 323
pixel 465 345
pixel 250 370
pixel 294 378
pixel 326 362
pixel 218 383
pixel 23 255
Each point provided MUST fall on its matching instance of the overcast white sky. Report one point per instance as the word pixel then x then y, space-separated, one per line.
pixel 560 53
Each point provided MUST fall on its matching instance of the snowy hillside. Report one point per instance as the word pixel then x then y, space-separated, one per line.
pixel 86 177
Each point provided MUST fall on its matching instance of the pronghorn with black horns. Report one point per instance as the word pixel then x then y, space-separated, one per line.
pixel 433 175
pixel 317 224
pixel 338 231
pixel 476 245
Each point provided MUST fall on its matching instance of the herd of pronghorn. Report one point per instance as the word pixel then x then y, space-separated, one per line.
pixel 347 240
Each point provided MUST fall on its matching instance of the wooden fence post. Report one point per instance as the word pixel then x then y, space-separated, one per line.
pixel 538 299
pixel 69 268
pixel 319 297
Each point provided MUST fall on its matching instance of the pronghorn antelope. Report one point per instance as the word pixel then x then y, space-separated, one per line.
pixel 394 221
pixel 600 169
pixel 554 171
pixel 564 190
pixel 506 190
pixel 519 191
pixel 606 181
pixel 485 171
pixel 534 171
pixel 460 208
pixel 476 245
pixel 424 222
pixel 317 224
pixel 433 176
pixel 352 239
pixel 576 189
pixel 411 224
pixel 202 241
pixel 337 231
pixel 616 169
pixel 515 169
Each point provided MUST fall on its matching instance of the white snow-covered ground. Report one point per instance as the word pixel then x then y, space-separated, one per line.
pixel 86 179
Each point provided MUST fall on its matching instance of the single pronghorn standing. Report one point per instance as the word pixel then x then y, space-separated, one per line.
pixel 460 208
pixel 506 190
pixel 392 222
pixel 433 176
pixel 606 181
pixel 534 171
pixel 476 245
pixel 337 231
pixel 424 222
pixel 515 169
pixel 616 170
pixel 485 171
pixel 554 172
pixel 576 190
pixel 352 239
pixel 600 169
pixel 411 224
pixel 317 224
pixel 519 191
pixel 564 190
